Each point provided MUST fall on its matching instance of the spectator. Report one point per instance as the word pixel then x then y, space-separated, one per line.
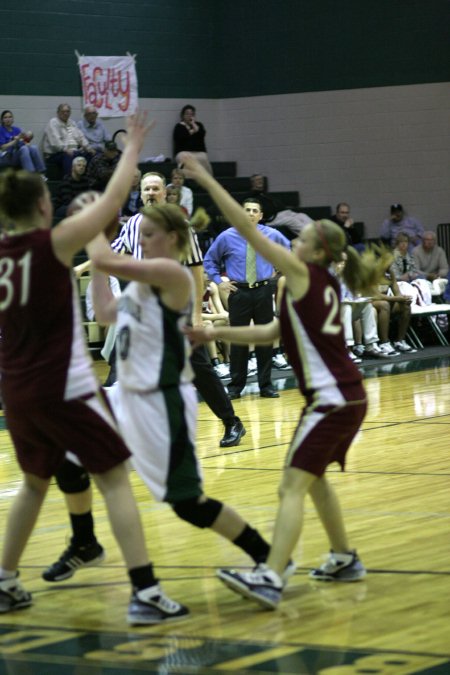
pixel 404 265
pixel 430 258
pixel 288 222
pixel 388 301
pixel 250 298
pixel 173 196
pixel 189 134
pixel 102 166
pixel 15 146
pixel 134 201
pixel 214 314
pixel 347 224
pixel 359 321
pixel 71 186
pixel 93 129
pixel 270 205
pixel 211 389
pixel 187 197
pixel 400 222
pixel 63 140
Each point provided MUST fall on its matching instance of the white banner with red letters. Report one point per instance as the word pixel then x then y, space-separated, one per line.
pixel 110 84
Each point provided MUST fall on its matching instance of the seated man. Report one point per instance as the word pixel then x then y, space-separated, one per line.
pixel 398 222
pixel 430 258
pixel 63 140
pixel 102 166
pixel 71 186
pixel 347 224
pixel 93 129
pixel 290 223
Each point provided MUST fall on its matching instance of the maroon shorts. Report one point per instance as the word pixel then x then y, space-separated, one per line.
pixel 324 435
pixel 42 435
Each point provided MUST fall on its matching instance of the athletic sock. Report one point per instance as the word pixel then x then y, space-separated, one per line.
pixel 142 577
pixel 252 543
pixel 83 528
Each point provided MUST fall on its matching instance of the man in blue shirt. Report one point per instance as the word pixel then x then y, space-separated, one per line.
pixel 250 287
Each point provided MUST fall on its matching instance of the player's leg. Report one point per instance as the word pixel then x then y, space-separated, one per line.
pixel 21 521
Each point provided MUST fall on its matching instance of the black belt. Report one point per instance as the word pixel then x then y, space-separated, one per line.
pixel 257 284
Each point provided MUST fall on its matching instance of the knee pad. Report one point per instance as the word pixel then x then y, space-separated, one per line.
pixel 72 478
pixel 200 514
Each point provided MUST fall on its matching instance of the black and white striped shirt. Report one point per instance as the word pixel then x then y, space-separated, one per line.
pixel 128 242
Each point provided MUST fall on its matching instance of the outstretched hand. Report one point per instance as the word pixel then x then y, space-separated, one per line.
pixel 191 168
pixel 138 126
pixel 198 335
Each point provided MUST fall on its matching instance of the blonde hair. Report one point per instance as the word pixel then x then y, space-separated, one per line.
pixel 170 218
pixel 200 219
pixel 362 272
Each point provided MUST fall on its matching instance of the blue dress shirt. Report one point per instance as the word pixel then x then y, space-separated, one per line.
pixel 229 252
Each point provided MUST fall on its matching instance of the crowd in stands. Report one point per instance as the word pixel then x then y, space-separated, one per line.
pixel 375 327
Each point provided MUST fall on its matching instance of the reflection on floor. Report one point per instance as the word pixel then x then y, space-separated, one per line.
pixel 40 651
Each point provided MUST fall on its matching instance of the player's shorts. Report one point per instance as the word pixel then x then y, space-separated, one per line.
pixel 42 434
pixel 159 428
pixel 324 434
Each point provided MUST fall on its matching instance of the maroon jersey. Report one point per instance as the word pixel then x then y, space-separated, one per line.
pixel 313 338
pixel 43 354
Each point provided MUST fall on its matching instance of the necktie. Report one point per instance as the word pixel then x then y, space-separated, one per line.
pixel 405 266
pixel 250 265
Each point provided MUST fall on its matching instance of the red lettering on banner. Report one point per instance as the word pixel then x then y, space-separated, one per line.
pixel 104 86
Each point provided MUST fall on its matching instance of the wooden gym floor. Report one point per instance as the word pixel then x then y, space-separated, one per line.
pixel 395 497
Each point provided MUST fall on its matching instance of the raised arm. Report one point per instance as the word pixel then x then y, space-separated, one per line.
pixel 278 255
pixel 73 233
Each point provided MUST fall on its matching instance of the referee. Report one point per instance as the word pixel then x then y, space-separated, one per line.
pixel 207 382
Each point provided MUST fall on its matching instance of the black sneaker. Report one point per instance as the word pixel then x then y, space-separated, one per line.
pixel 150 606
pixel 13 596
pixel 74 558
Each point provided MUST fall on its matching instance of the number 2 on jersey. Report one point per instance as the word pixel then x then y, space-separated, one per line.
pixel 330 298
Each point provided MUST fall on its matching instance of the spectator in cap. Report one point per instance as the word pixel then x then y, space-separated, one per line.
pixel 93 129
pixel 398 222
pixel 101 167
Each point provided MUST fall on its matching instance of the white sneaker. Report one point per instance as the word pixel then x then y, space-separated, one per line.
pixel 340 567
pixel 151 606
pixel 279 362
pixel 252 366
pixel 374 351
pixel 388 349
pixel 403 346
pixel 353 357
pixel 222 370
pixel 358 350
pixel 13 595
pixel 262 585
